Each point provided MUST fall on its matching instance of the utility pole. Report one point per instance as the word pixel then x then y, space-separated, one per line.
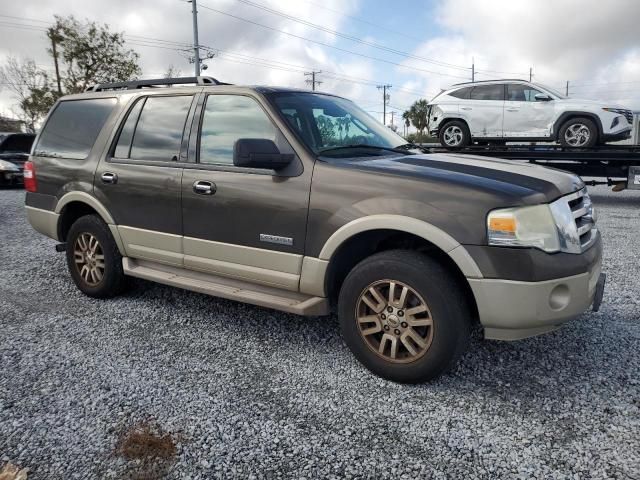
pixel 531 74
pixel 385 99
pixel 313 80
pixel 196 46
pixel 473 69
pixel 566 91
pixel 392 112
pixel 55 37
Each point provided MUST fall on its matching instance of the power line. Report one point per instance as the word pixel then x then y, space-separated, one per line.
pixel 312 81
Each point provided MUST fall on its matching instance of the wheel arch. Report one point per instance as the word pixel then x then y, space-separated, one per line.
pixel 365 236
pixel 566 116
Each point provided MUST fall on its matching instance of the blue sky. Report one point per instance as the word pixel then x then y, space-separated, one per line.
pixel 562 40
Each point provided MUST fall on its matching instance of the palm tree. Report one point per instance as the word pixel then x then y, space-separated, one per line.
pixel 418 113
pixel 406 116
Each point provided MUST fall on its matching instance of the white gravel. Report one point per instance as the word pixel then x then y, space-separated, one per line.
pixel 254 393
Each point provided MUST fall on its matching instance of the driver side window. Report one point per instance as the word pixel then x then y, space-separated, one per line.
pixel 521 93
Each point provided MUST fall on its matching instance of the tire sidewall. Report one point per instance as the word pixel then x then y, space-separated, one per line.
pixel 449 320
pixel 593 130
pixel 113 275
pixel 466 134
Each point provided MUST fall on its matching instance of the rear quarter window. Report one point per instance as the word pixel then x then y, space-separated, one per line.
pixel 73 127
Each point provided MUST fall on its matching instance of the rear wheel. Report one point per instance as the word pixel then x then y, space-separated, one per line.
pixel 578 132
pixel 93 258
pixel 403 316
pixel 454 134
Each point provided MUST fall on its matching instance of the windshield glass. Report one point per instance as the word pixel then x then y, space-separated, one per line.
pixel 553 91
pixel 324 122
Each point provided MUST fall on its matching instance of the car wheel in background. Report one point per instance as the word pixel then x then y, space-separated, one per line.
pixel 578 132
pixel 454 134
pixel 403 316
pixel 93 258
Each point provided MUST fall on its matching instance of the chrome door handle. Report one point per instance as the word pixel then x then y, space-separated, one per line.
pixel 108 177
pixel 466 108
pixel 204 188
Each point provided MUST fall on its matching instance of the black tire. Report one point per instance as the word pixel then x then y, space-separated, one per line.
pixel 113 280
pixel 586 122
pixel 462 127
pixel 450 317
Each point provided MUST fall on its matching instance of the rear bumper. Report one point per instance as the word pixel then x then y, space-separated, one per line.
pixel 511 309
pixel 43 221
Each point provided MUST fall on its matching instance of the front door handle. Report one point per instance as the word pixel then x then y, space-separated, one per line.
pixel 108 177
pixel 513 109
pixel 466 108
pixel 204 188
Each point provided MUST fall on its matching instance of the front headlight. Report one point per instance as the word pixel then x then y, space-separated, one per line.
pixel 523 227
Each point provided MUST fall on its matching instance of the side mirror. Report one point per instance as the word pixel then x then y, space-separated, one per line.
pixel 542 97
pixel 259 153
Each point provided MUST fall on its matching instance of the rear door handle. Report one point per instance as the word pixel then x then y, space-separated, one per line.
pixel 466 108
pixel 513 109
pixel 204 188
pixel 108 177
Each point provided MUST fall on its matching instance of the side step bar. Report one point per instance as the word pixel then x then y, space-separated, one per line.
pixel 229 288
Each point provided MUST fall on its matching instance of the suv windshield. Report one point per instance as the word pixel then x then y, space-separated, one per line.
pixel 331 125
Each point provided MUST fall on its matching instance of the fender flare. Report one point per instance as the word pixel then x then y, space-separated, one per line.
pixel 564 116
pixel 429 232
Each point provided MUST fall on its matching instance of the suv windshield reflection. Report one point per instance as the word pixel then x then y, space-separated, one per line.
pixel 331 125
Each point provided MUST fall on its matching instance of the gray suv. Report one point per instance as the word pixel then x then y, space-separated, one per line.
pixel 299 201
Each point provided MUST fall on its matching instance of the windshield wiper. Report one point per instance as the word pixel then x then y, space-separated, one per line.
pixel 400 149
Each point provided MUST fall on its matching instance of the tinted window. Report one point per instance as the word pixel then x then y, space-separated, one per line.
pixel 462 93
pixel 158 135
pixel 123 148
pixel 228 118
pixel 521 93
pixel 488 92
pixel 74 126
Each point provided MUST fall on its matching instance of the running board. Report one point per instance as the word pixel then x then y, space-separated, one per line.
pixel 223 287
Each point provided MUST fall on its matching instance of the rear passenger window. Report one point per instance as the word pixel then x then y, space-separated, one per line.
pixel 226 119
pixel 153 129
pixel 73 127
pixel 488 92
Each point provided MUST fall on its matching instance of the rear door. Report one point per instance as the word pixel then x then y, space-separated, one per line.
pixel 523 115
pixel 484 110
pixel 243 223
pixel 140 181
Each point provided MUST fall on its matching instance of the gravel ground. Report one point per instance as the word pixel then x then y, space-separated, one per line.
pixel 253 393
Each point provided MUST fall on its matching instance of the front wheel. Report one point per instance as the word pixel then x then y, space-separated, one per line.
pixel 578 132
pixel 93 258
pixel 454 134
pixel 403 316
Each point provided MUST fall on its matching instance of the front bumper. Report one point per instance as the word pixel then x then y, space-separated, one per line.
pixel 515 309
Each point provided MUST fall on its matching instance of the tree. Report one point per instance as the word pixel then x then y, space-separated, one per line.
pixel 31 87
pixel 418 114
pixel 91 53
pixel 327 130
pixel 406 116
pixel 172 72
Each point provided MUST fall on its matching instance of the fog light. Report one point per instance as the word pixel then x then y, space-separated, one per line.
pixel 559 297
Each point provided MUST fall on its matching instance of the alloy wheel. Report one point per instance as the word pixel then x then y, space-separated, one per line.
pixel 577 135
pixel 394 321
pixel 89 259
pixel 453 136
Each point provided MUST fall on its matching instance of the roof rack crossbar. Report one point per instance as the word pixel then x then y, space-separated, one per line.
pixel 154 82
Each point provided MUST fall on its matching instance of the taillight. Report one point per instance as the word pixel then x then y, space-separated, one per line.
pixel 29 173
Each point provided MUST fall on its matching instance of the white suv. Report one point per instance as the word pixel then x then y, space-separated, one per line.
pixel 498 111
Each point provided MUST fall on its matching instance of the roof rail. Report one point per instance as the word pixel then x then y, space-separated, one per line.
pixel 154 82
pixel 492 81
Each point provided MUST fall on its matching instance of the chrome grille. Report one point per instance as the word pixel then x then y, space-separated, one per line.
pixel 583 216
pixel 628 114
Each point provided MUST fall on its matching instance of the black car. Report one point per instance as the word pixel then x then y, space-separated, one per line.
pixel 14 151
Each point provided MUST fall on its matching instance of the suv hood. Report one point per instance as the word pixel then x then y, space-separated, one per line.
pixel 590 103
pixel 515 183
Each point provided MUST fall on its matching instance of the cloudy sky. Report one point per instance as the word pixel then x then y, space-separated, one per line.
pixel 418 47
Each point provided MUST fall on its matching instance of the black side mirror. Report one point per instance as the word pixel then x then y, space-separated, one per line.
pixel 542 97
pixel 259 153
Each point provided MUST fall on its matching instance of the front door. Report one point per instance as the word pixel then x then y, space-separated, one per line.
pixel 243 223
pixel 140 181
pixel 484 110
pixel 524 116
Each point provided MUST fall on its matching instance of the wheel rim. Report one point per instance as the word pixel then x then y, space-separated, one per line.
pixel 453 136
pixel 577 135
pixel 394 321
pixel 89 258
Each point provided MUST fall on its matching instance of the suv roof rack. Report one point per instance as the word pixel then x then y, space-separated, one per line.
pixel 154 82
pixel 492 81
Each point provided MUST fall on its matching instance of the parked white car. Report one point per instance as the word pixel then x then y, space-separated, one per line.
pixel 501 111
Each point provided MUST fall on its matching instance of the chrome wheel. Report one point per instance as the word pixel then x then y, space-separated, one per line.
pixel 89 259
pixel 453 136
pixel 577 135
pixel 394 321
